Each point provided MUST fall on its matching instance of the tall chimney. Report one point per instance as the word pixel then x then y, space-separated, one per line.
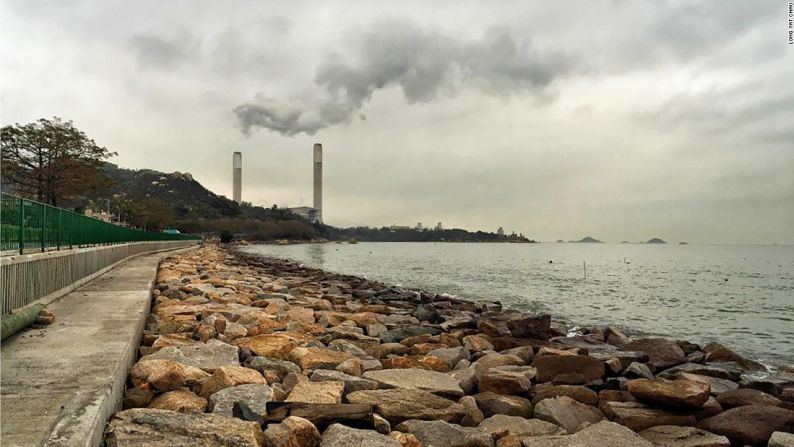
pixel 318 181
pixel 237 176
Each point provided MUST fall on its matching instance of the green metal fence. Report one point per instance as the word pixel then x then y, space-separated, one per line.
pixel 27 224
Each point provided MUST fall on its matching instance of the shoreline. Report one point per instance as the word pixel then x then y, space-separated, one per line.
pixel 306 356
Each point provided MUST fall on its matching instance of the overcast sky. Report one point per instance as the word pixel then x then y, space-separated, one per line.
pixel 623 120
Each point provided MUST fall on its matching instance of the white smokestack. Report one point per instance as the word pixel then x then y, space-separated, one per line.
pixel 237 176
pixel 318 181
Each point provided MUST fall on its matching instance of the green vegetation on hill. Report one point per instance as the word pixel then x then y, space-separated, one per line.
pixel 386 234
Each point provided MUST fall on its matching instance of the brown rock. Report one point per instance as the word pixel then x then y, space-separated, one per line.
pixel 638 416
pixel 227 376
pixel 746 396
pixel 567 413
pixel 181 401
pixel 718 386
pixel 550 366
pixel 492 404
pixel 676 394
pixel 397 405
pixel 137 397
pixel 350 366
pixel 519 426
pixel 292 432
pixel 405 439
pixel 749 424
pixel 328 392
pixel 432 363
pixel 314 358
pixel 384 350
pixel 716 352
pixel 476 343
pixel 276 345
pixel 164 375
pixel 578 393
pixel 507 379
pixel 396 362
pixel 530 326
pixel 663 353
pixel 673 436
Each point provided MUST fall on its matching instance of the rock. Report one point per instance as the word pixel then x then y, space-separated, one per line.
pixel 181 401
pixel 228 376
pixel 151 427
pixel 326 392
pixel 164 375
pixel 569 379
pixel 662 353
pixel 450 356
pixel 567 413
pixel 137 397
pixel 746 396
pixel 638 416
pixel 253 394
pixel 615 337
pixel 351 366
pixel 207 356
pixel 519 426
pixel 476 343
pixel 579 393
pixel 601 434
pixel 716 352
pixel 507 379
pixel 473 413
pixel 674 436
pixel 550 366
pixel 637 371
pixel 780 439
pixel 718 386
pixel 405 439
pixel 525 353
pixel 443 434
pixel 277 345
pixel 426 312
pixel 279 366
pixel 338 435
pixel 749 424
pixel 320 414
pixel 530 326
pixel 397 405
pixel 492 404
pixel 493 360
pixel 317 358
pixel 417 379
pixel 675 394
pixel 729 371
pixel 385 349
pixel 352 383
pixel 380 424
pixel 398 334
pixel 292 432
pixel 709 409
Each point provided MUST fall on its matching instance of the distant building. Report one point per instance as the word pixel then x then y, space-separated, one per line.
pixel 439 227
pixel 307 213
pixel 419 226
pixel 500 231
pixel 399 227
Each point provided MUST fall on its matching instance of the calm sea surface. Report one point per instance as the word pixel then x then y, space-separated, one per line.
pixel 740 295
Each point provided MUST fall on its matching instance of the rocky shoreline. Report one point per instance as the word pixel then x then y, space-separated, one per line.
pixel 248 351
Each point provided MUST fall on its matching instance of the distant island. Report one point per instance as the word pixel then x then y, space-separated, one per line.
pixel 589 240
pixel 656 240
pixel 683 243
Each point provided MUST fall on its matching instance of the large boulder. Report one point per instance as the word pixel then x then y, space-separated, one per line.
pixel 601 434
pixel 338 435
pixel 750 424
pixel 317 358
pixel 662 353
pixel 352 383
pixel 676 436
pixel 292 432
pixel 326 392
pixel 152 427
pixel 530 326
pixel 519 426
pixel 676 394
pixel 579 393
pixel 181 400
pixel 279 366
pixel 567 413
pixel 729 371
pixel 717 385
pixel 400 404
pixel 228 376
pixel 492 404
pixel 438 383
pixel 450 356
pixel 254 395
pixel 276 345
pixel 550 366
pixel 507 379
pixel 638 416
pixel 746 396
pixel 207 356
pixel 444 434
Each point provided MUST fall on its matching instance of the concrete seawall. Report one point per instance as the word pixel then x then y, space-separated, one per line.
pixel 61 383
pixel 43 277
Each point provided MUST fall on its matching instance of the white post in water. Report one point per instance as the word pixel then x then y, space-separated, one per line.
pixel 318 181
pixel 237 177
pixel 584 269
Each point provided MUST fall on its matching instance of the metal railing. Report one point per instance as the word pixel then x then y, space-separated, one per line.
pixel 30 225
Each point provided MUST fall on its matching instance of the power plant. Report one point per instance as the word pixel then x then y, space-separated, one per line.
pixel 237 177
pixel 318 182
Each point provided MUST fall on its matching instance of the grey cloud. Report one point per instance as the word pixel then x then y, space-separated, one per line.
pixel 422 63
pixel 153 51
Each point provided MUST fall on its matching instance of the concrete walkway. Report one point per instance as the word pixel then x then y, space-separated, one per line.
pixel 60 384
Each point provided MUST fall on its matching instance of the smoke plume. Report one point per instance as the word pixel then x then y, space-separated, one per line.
pixel 421 63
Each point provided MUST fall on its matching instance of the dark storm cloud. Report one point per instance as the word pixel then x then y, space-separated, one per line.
pixel 422 63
